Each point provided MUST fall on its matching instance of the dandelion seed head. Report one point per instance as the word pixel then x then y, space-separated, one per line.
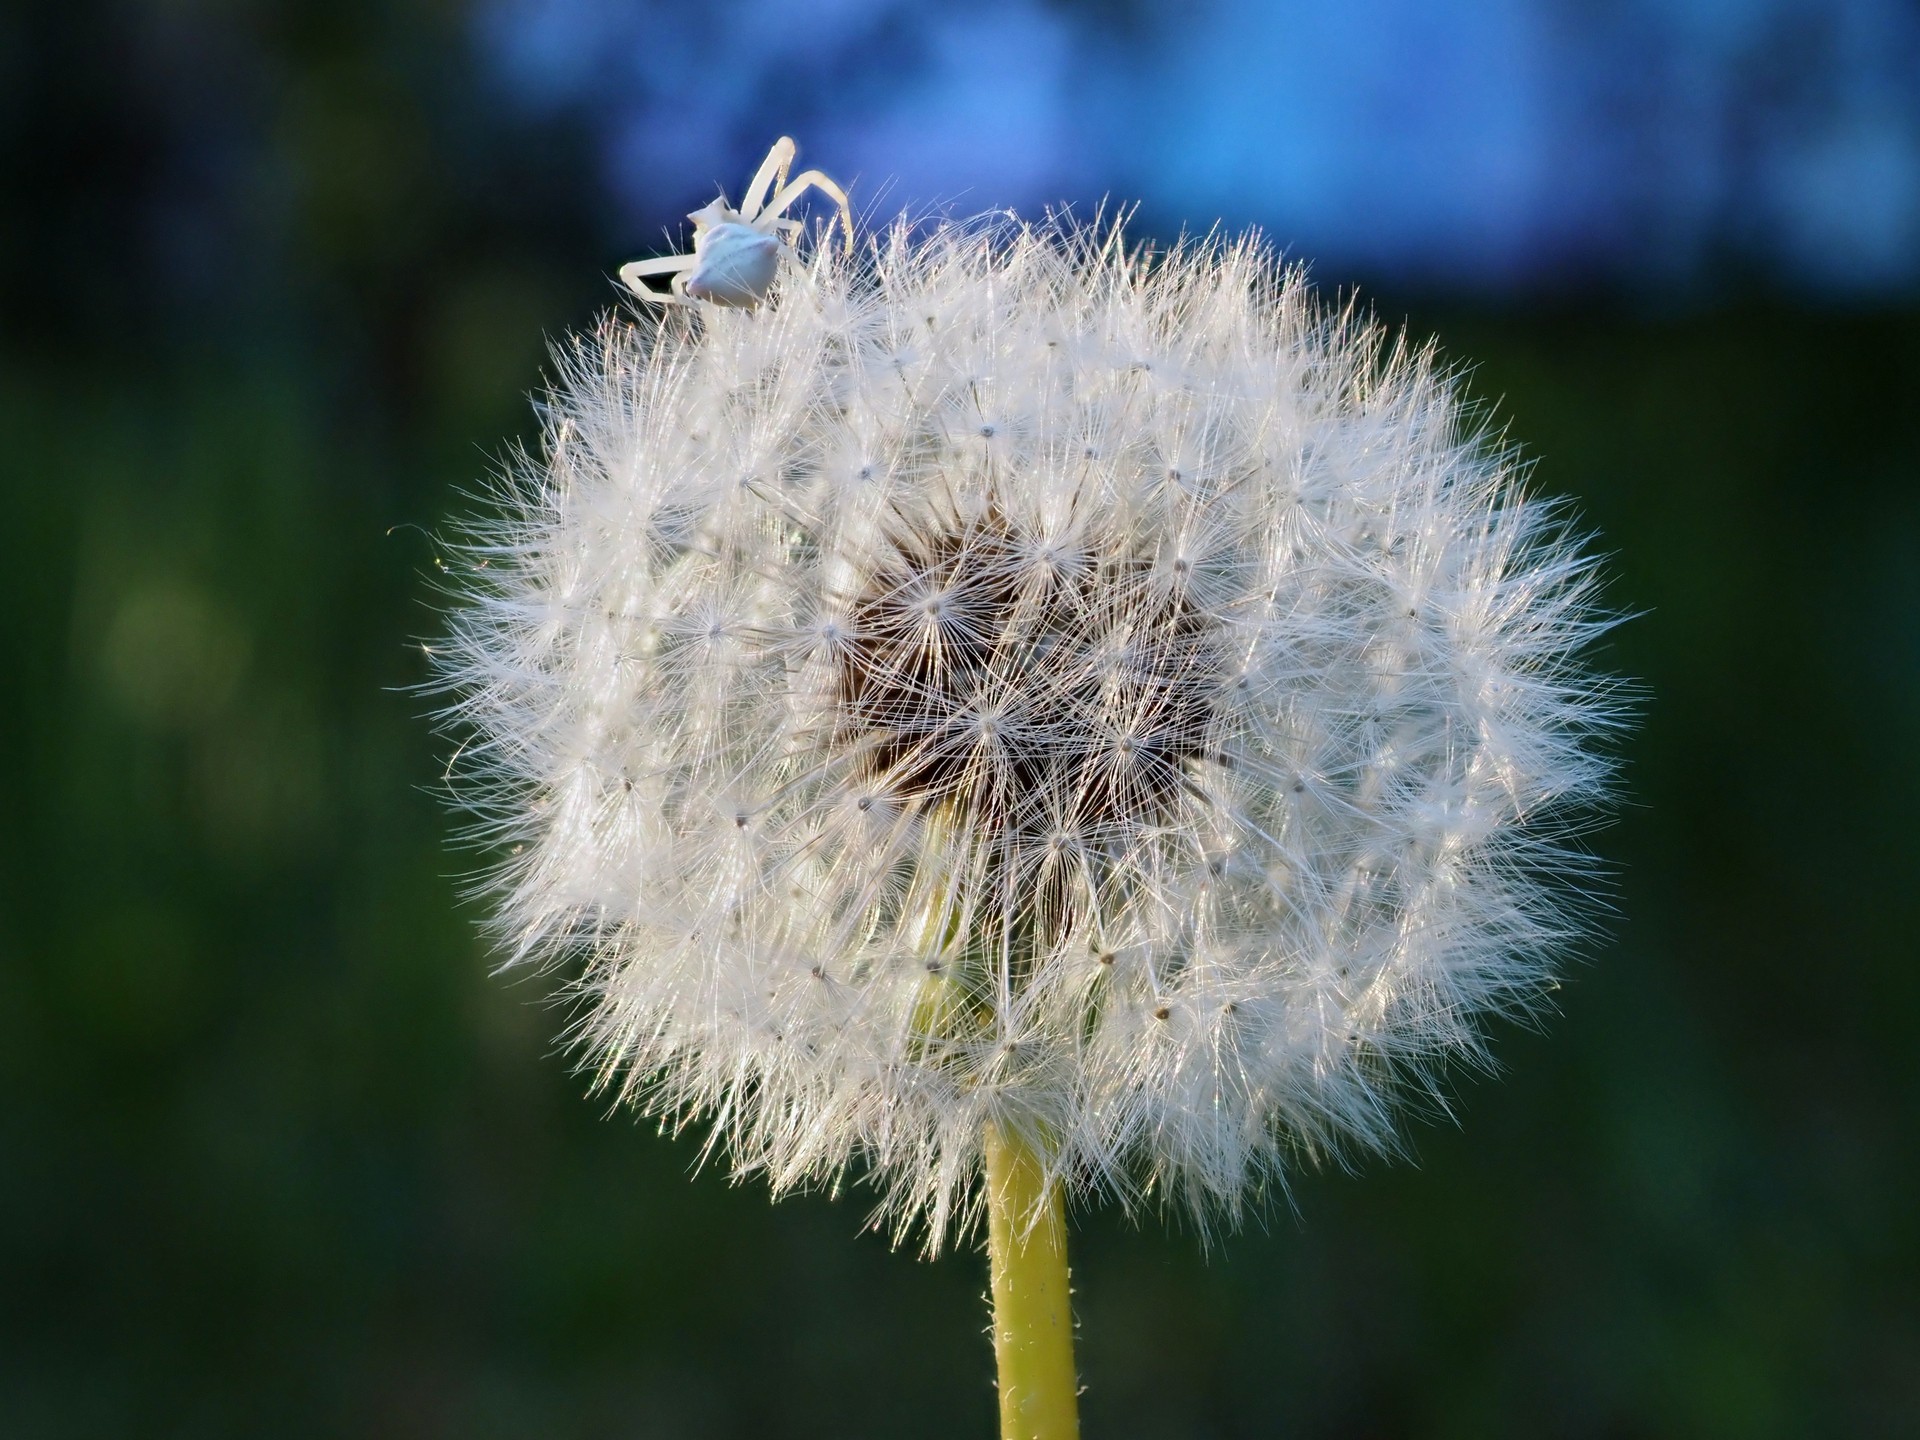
pixel 1012 679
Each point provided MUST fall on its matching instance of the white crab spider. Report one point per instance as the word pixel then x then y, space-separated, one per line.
pixel 737 252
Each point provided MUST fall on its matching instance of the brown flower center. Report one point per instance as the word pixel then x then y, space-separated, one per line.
pixel 1050 695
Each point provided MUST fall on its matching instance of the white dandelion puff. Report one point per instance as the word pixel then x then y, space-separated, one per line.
pixel 1012 680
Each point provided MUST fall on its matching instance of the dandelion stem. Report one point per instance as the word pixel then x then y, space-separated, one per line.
pixel 1032 1315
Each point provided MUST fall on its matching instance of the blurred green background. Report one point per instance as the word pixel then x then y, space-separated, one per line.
pixel 278 1156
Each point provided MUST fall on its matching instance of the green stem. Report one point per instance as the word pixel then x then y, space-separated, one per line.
pixel 1032 1315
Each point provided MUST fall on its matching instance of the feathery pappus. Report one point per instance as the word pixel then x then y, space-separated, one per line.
pixel 1012 678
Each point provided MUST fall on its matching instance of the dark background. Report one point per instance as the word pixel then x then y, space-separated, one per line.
pixel 279 1157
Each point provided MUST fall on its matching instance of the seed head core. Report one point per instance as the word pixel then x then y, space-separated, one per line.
pixel 1041 693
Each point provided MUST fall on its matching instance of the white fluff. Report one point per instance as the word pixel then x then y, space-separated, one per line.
pixel 1247 686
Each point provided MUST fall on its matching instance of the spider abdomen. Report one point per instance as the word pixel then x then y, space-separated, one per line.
pixel 735 265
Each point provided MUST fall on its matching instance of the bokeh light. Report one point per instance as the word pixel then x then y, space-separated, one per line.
pixel 1519 145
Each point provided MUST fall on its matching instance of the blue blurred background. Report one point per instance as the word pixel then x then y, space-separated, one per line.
pixel 1516 145
pixel 278 1156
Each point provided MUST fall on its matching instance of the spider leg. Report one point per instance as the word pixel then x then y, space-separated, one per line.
pixel 813 180
pixel 676 265
pixel 772 175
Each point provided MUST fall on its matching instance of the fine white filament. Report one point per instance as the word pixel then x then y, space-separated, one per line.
pixel 1012 679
